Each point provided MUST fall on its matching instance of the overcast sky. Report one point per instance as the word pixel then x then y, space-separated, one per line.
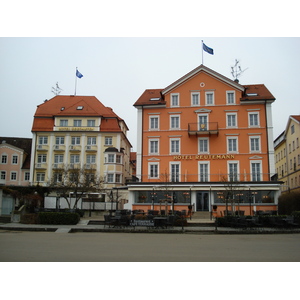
pixel 118 70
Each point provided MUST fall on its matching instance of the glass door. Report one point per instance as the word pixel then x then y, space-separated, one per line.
pixel 202 201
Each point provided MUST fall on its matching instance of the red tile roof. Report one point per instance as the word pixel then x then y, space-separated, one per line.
pixel 59 106
pixel 257 92
pixel 145 98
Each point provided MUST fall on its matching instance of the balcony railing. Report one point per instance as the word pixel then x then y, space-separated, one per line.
pixel 91 148
pixel 203 128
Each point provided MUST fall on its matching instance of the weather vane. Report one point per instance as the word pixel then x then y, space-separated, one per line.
pixel 236 70
pixel 56 90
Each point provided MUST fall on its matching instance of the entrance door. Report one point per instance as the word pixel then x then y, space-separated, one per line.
pixel 7 205
pixel 202 201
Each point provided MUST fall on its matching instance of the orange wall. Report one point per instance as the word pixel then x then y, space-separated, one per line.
pixel 217 143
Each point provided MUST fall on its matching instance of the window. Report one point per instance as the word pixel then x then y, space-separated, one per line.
pixel 203 171
pixel 195 99
pixel 108 140
pixel 154 121
pixel 174 122
pixel 209 98
pixel 153 170
pixel 91 140
pixel 174 172
pixel 233 171
pixel 42 158
pixel 91 123
pixel 27 176
pixel 75 140
pixel 118 178
pixel 253 119
pixel 292 129
pixel 231 120
pixel 77 123
pixel 110 178
pixel 13 176
pixel 58 158
pixel 254 144
pixel 118 159
pixel 202 120
pixel 232 145
pixel 74 159
pixel 43 140
pixel 174 100
pixel 63 123
pixel 4 159
pixel 91 159
pixel 60 140
pixel 57 177
pixel 255 171
pixel 3 175
pixel 203 145
pixel 153 146
pixel 175 146
pixel 14 159
pixel 110 158
pixel 40 177
pixel 230 97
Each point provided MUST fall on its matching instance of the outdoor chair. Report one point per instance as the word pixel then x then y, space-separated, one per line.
pixel 170 221
pixel 107 221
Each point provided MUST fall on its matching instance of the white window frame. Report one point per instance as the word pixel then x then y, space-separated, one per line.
pixel 92 140
pixel 63 123
pixel 172 141
pixel 74 159
pixel 108 140
pixel 177 174
pixel 111 159
pixel 77 123
pixel 150 143
pixel 58 158
pixel 199 146
pixel 207 175
pixel 233 162
pixel 110 177
pixel 174 117
pixel 91 123
pixel 91 159
pixel 206 98
pixel 249 118
pixel 40 177
pixel 42 158
pixel 171 100
pixel 205 128
pixel 192 98
pixel 75 140
pixel 156 175
pixel 156 125
pixel 250 144
pixel 227 97
pixel 4 159
pixel 14 159
pixel 236 144
pixel 3 175
pixel 228 116
pixel 260 167
pixel 43 140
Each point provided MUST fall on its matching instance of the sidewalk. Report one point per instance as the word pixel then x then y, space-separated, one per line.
pixel 207 227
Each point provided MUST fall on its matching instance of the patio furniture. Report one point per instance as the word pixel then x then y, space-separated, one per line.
pixel 107 221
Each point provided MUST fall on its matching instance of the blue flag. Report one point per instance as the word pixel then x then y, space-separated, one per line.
pixel 78 74
pixel 207 49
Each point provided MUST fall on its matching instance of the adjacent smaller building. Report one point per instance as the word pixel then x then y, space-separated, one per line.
pixel 287 155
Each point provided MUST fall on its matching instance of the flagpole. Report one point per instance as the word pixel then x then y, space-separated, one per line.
pixel 202 51
pixel 75 81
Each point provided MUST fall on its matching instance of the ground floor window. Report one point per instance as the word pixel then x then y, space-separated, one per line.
pixel 161 196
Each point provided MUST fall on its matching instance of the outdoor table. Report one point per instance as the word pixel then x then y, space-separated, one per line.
pixel 160 222
pixel 116 220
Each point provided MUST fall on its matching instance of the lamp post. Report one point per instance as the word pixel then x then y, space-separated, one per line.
pixel 111 196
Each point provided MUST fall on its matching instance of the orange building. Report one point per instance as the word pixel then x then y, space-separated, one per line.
pixel 205 141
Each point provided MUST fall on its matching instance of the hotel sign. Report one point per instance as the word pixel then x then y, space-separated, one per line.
pixel 75 128
pixel 203 157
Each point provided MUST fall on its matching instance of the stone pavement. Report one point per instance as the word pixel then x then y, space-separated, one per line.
pixel 194 226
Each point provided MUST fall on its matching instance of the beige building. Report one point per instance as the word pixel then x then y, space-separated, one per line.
pixel 287 155
pixel 79 132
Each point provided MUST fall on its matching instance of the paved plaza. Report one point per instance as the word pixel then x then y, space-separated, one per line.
pixel 23 246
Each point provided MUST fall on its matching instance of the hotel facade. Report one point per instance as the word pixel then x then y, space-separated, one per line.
pixel 79 132
pixel 205 142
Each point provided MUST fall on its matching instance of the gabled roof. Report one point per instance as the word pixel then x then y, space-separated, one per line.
pixel 206 70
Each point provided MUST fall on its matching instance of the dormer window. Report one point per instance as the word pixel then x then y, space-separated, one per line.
pixel 79 108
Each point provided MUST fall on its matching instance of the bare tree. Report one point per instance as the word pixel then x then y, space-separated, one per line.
pixel 78 181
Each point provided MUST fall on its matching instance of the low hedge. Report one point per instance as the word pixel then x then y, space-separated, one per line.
pixel 58 218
